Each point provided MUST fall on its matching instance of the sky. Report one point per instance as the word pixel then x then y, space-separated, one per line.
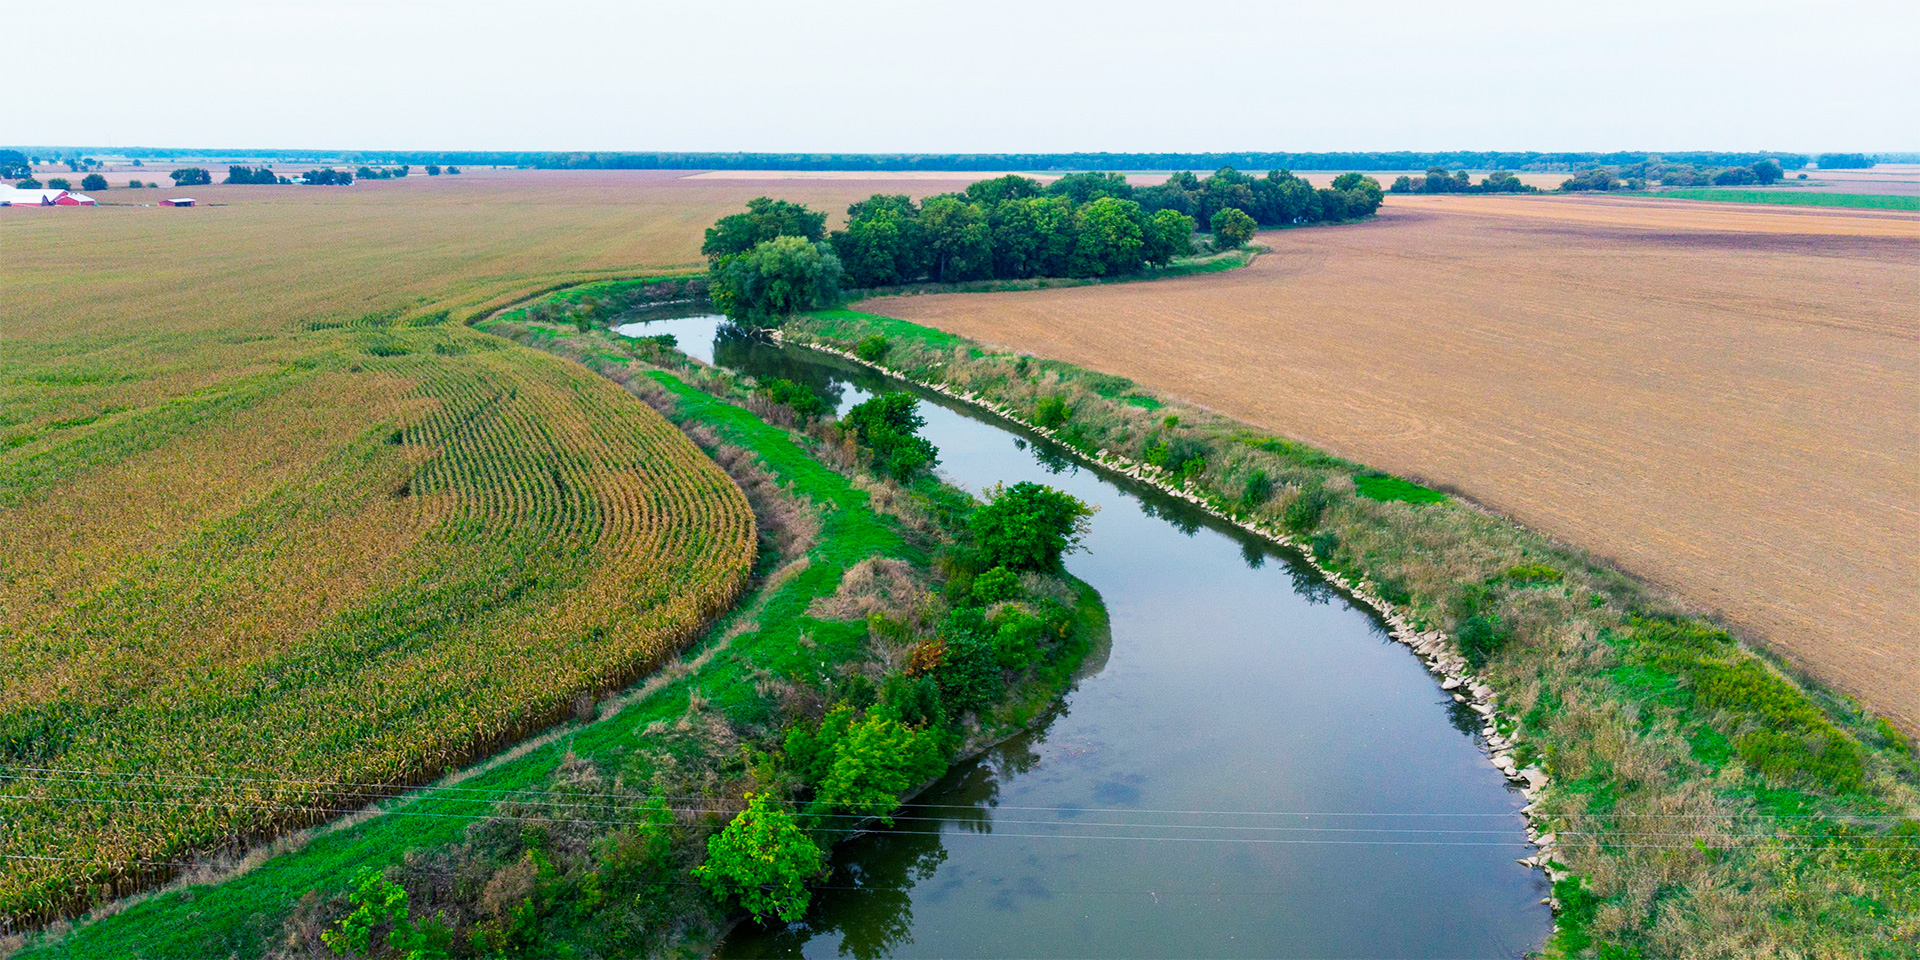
pixel 980 76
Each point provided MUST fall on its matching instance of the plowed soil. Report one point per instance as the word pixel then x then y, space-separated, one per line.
pixel 1725 401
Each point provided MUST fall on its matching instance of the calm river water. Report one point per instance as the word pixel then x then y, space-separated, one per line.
pixel 1254 769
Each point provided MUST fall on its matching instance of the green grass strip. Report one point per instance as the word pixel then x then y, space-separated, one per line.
pixel 1794 197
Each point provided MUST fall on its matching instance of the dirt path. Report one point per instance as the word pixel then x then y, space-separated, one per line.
pixel 1724 401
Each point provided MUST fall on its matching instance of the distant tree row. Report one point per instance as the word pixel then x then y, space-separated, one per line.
pixel 251 175
pixel 1276 200
pixel 1844 161
pixel 382 173
pixel 1438 180
pixel 191 177
pixel 1636 176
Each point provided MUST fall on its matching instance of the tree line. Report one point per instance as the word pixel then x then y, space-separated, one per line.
pixel 777 258
pixel 1438 180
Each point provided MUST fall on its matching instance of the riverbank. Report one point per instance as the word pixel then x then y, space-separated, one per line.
pixel 584 837
pixel 1689 779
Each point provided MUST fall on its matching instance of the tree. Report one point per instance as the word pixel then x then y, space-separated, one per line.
pixel 1844 161
pixel 59 183
pixel 1599 178
pixel 1735 177
pixel 775 280
pixel 1280 198
pixel 1231 229
pixel 889 425
pixel 27 183
pixel 1010 187
pixel 453 171
pixel 93 181
pixel 191 177
pixel 1347 181
pixel 433 170
pixel 239 174
pixel 1166 235
pixel 1766 171
pixel 762 859
pixel 877 760
pixel 958 240
pixel 1107 238
pixel 13 165
pixel 764 220
pixel 883 242
pixel 1088 187
pixel 1028 526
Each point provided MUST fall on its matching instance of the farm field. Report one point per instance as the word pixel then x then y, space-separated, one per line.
pixel 1720 397
pixel 273 517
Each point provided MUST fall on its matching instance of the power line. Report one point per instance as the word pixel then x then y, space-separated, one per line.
pixel 503 795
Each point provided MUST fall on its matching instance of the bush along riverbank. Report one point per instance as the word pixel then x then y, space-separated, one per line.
pixel 894 627
pixel 1688 797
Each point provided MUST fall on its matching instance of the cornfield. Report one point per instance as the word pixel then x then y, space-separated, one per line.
pixel 265 541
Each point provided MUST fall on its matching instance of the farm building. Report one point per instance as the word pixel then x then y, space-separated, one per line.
pixel 13 196
pixel 177 202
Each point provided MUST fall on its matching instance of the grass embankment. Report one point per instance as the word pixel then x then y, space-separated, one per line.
pixel 1701 801
pixel 1789 196
pixel 583 840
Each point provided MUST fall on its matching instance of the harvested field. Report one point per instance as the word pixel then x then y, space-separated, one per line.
pixel 272 516
pixel 1723 398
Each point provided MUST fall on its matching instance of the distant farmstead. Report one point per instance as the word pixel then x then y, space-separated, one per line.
pixel 177 202
pixel 16 197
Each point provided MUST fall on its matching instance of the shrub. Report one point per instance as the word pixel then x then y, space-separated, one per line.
pixel 888 425
pixel 1016 638
pixel 762 860
pixel 971 678
pixel 1232 228
pixel 1481 637
pixel 378 902
pixel 1258 490
pixel 1028 526
pixel 1051 412
pixel 877 760
pixel 1534 573
pixel 807 406
pixel 996 585
pixel 1303 514
pixel 872 348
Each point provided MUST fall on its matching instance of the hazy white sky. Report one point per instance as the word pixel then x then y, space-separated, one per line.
pixel 978 76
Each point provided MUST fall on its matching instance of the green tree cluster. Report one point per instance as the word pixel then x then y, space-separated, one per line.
pixel 763 860
pixel 889 426
pixel 1276 200
pixel 14 165
pixel 775 279
pixel 250 175
pixel 191 177
pixel 1028 526
pixel 93 181
pixel 327 177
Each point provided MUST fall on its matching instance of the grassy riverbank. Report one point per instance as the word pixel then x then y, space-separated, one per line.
pixel 1702 801
pixel 583 840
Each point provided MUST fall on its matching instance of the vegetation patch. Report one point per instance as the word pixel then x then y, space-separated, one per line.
pixel 1380 486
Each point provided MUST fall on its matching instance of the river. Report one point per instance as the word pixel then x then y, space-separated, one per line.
pixel 1253 769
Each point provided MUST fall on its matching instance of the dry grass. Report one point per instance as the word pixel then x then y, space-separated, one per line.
pixel 1724 400
pixel 267 509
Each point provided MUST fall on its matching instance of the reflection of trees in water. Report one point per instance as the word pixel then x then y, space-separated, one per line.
pixel 737 349
pixel 1185 520
pixel 1051 457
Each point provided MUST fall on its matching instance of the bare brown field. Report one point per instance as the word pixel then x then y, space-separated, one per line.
pixel 1726 401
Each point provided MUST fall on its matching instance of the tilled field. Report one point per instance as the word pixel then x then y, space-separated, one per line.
pixel 1726 401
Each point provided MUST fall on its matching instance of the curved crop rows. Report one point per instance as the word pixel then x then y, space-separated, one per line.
pixel 495 535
